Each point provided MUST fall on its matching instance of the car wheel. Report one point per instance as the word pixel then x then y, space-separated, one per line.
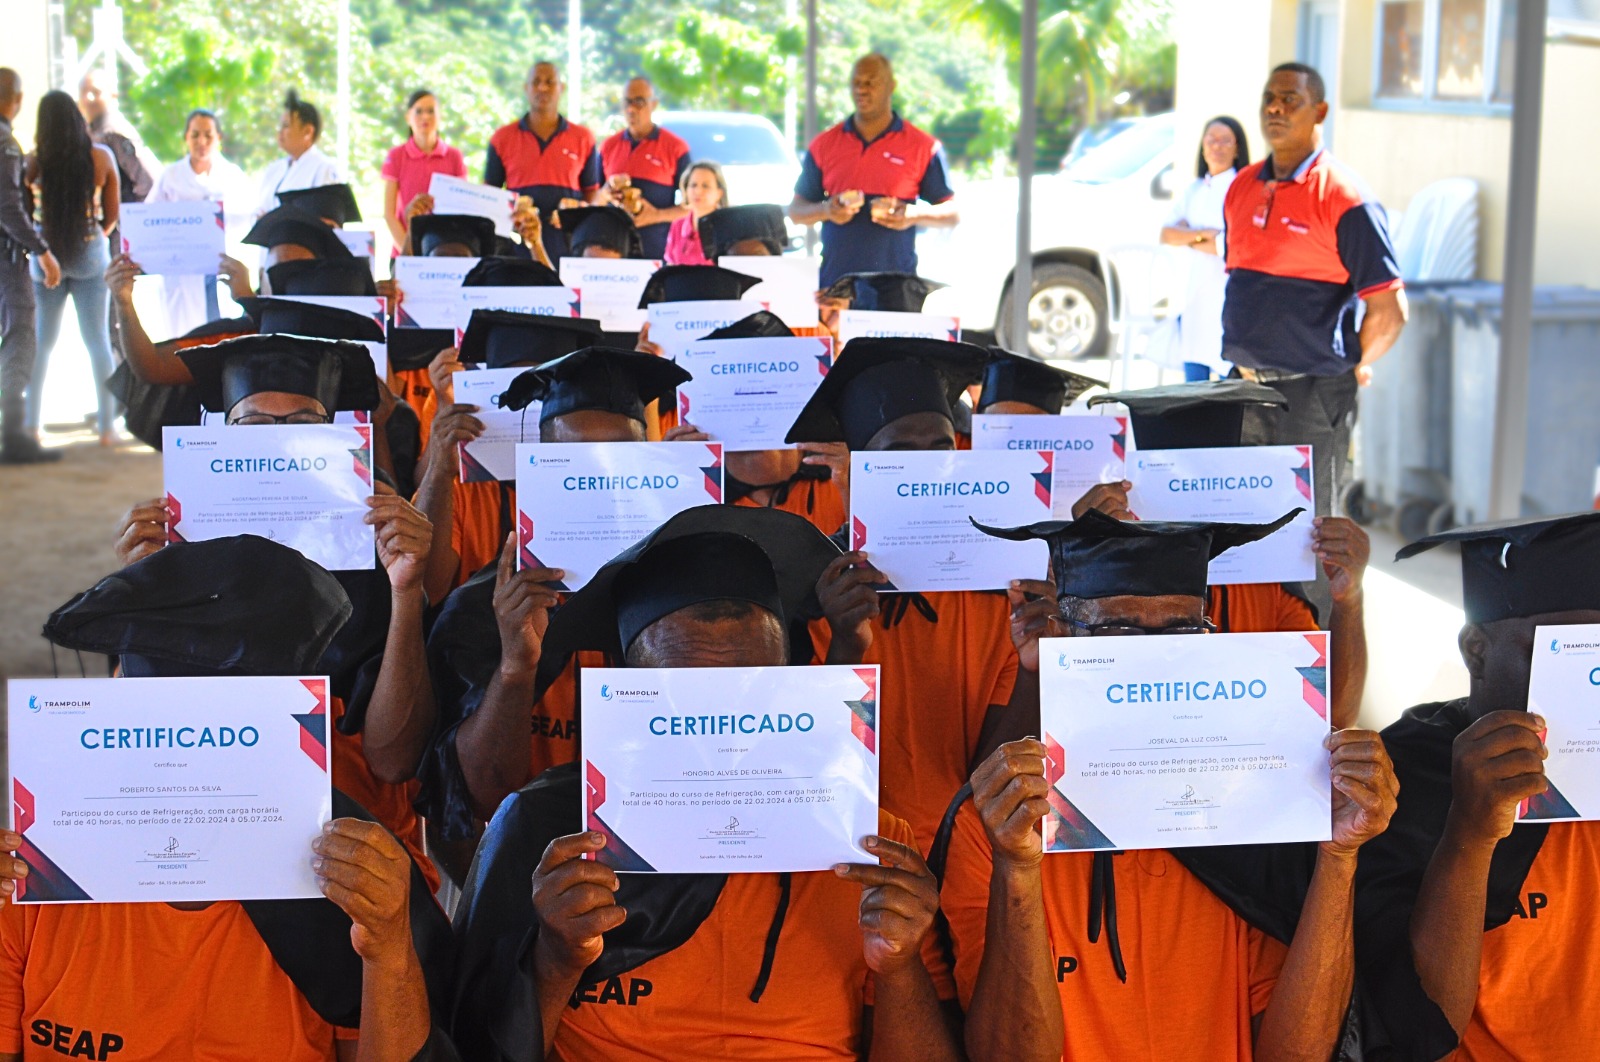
pixel 1066 314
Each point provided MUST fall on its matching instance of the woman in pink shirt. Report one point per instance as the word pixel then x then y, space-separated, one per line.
pixel 704 190
pixel 410 166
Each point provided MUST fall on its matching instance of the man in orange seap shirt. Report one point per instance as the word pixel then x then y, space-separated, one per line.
pixel 1203 957
pixel 1239 413
pixel 949 669
pixel 1475 929
pixel 482 750
pixel 274 980
pixel 592 965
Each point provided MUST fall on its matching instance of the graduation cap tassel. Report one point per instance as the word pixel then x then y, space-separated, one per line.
pixel 1103 909
pixel 769 951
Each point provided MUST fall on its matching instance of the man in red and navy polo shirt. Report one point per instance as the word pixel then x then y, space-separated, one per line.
pixel 1306 246
pixel 653 159
pixel 545 157
pixel 862 180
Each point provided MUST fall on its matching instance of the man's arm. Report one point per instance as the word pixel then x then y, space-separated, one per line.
pixel 492 742
pixel 150 363
pixel 1015 1011
pixel 402 713
pixel 1308 1005
pixel 1343 548
pixel 1032 603
pixel 494 169
pixel 1386 316
pixel 1496 763
pixel 14 220
pixel 574 900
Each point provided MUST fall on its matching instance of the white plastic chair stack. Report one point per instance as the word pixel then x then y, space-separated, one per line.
pixel 1139 278
pixel 1437 238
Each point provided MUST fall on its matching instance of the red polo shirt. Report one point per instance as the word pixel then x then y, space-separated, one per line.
pixel 1302 253
pixel 655 164
pixel 546 171
pixel 411 169
pixel 902 161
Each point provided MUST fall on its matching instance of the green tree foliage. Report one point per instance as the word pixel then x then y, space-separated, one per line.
pixel 723 64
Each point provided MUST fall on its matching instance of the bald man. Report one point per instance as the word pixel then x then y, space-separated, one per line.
pixel 644 156
pixel 866 199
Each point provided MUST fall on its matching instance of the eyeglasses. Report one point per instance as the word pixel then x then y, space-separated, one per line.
pixel 636 101
pixel 1264 212
pixel 254 419
pixel 1122 630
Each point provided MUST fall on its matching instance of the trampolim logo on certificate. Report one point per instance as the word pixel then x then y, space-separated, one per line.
pixel 731 769
pixel 1564 688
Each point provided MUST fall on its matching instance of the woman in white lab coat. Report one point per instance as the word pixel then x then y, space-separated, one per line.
pixel 204 174
pixel 1196 224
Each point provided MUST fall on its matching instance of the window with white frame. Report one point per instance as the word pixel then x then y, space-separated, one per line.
pixel 1445 51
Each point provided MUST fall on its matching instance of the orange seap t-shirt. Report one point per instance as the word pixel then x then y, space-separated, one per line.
pixel 1538 982
pixel 1197 972
pixel 818 501
pixel 485 513
pixel 694 1001
pixel 143 982
pixel 1257 608
pixel 939 680
pixel 415 389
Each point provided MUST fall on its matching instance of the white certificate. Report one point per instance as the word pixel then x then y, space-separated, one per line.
pixel 430 290
pixel 1088 448
pixel 746 393
pixel 1248 484
pixel 373 307
pixel 580 504
pixel 546 302
pixel 1175 741
pixel 302 485
pixel 360 242
pixel 493 455
pixel 876 324
pixel 674 325
pixel 174 239
pixel 731 769
pixel 1564 688
pixel 456 195
pixel 910 511
pixel 609 289
pixel 136 790
pixel 788 284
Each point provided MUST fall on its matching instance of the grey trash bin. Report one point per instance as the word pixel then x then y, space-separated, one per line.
pixel 1403 430
pixel 1563 404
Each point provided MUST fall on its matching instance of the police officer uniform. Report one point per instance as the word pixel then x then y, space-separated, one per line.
pixel 19 338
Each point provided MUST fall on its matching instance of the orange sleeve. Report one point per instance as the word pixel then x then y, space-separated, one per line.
pixel 965 897
pixel 1267 956
pixel 13 960
pixel 1005 681
pixel 1293 613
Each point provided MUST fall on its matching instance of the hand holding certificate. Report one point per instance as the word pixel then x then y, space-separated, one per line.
pixel 493 455
pixel 1169 741
pixel 174 239
pixel 304 485
pixel 746 392
pixel 456 195
pixel 169 789
pixel 912 511
pixel 580 504
pixel 1564 688
pixel 1252 484
pixel 731 769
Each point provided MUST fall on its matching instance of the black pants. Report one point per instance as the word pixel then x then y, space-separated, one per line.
pixel 19 340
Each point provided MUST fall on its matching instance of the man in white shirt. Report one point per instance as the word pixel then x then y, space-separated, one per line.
pixel 304 165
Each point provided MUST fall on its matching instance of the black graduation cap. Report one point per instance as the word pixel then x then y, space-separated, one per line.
pixel 1528 567
pixel 692 283
pixel 286 224
pixel 336 373
pixel 1206 413
pixel 604 378
pixel 335 202
pixel 1100 556
pixel 429 232
pixel 1012 377
pixel 501 339
pixel 721 229
pixel 321 276
pixel 609 227
pixel 896 292
pixel 709 553
pixel 293 318
pixel 414 348
pixel 763 324
pixel 241 605
pixel 878 380
pixel 510 271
